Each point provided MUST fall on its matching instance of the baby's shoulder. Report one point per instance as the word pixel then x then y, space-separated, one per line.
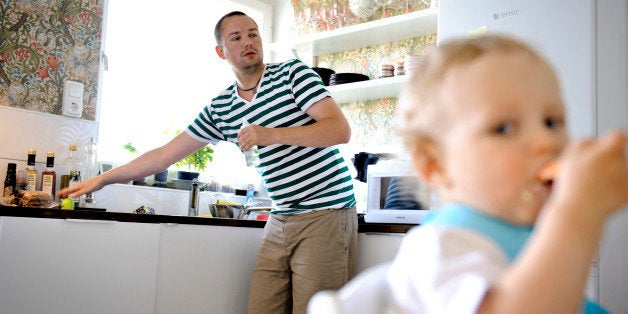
pixel 444 242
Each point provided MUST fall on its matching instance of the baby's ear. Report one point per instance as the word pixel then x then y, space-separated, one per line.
pixel 427 163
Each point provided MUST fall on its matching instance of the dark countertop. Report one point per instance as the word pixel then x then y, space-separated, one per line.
pixel 141 218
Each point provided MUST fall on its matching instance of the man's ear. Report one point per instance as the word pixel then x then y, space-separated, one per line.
pixel 428 163
pixel 220 52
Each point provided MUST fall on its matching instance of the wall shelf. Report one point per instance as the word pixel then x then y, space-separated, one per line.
pixel 382 31
pixel 378 32
pixel 367 90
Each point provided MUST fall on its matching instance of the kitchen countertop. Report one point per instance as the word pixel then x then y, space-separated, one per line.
pixel 145 218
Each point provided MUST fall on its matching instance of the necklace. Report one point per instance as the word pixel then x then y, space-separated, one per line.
pixel 249 89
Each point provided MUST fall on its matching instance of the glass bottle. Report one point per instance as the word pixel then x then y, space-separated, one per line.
pixel 73 163
pixel 49 175
pixel 10 181
pixel 31 172
pixel 251 156
pixel 91 170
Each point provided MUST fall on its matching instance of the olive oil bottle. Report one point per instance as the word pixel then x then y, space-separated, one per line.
pixel 49 176
pixel 31 172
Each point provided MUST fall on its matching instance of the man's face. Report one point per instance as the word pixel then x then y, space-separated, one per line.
pixel 241 43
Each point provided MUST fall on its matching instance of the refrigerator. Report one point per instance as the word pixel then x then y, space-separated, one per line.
pixel 586 43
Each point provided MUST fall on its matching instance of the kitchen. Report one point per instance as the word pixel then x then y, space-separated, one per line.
pixel 36 136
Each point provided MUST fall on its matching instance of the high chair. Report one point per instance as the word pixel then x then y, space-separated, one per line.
pixel 367 293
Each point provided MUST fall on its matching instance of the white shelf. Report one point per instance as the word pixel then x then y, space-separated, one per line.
pixel 367 90
pixel 382 31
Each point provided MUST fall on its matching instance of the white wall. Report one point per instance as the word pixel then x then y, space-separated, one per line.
pixel 612 112
pixel 21 130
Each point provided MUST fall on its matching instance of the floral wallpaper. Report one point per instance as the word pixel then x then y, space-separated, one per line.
pixel 43 43
pixel 314 16
pixel 374 121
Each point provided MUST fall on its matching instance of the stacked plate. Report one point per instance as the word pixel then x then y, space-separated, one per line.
pixel 388 70
pixel 413 61
pixel 343 78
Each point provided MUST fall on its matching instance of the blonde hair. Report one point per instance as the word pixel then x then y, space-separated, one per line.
pixel 418 103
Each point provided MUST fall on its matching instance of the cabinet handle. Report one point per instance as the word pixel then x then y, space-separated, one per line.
pixel 92 221
pixel 385 233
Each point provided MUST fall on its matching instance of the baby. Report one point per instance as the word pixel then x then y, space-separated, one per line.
pixel 482 118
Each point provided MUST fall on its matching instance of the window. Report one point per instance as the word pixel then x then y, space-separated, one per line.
pixel 162 70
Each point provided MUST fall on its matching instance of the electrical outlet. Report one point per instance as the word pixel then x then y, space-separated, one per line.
pixel 73 99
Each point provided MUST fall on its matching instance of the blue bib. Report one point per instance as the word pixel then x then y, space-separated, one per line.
pixel 509 237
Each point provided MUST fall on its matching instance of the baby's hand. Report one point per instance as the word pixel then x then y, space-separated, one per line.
pixel 593 176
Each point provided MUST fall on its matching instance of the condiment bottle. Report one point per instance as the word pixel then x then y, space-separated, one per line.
pixel 91 170
pixel 10 180
pixel 74 165
pixel 49 176
pixel 31 172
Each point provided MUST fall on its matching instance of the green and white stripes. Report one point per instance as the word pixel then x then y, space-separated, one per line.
pixel 297 178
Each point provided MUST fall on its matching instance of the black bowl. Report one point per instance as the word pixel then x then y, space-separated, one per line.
pixel 324 73
pixel 342 78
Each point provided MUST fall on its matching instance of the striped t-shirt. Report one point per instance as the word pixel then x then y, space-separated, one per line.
pixel 298 178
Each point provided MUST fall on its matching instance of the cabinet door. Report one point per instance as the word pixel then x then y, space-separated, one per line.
pixel 76 266
pixel 377 248
pixel 205 269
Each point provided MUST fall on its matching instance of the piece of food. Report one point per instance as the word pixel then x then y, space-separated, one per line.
pixel 549 172
pixel 34 198
pixel 67 203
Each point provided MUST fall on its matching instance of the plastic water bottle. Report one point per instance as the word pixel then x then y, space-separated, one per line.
pixel 252 155
pixel 91 170
pixel 73 166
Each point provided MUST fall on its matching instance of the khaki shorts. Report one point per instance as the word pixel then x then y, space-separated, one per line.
pixel 300 255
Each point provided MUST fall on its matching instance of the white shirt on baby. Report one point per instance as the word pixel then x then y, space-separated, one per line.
pixel 440 269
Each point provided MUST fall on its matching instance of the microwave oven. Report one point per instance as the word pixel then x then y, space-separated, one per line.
pixel 395 194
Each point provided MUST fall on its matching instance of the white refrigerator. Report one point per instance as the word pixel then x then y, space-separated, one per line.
pixel 586 42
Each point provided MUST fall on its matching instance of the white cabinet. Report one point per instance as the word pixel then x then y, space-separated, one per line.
pixel 205 269
pixel 92 266
pixel 76 266
pixel 382 31
pixel 377 248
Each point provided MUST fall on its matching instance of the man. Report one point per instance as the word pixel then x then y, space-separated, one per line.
pixel 310 239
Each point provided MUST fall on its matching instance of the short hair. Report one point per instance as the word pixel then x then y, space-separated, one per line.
pixel 217 28
pixel 418 107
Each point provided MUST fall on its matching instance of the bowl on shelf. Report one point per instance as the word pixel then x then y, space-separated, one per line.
pixel 343 78
pixel 324 73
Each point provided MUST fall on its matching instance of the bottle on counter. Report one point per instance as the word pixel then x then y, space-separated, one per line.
pixel 21 180
pixel 31 172
pixel 91 170
pixel 73 164
pixel 49 175
pixel 251 156
pixel 11 180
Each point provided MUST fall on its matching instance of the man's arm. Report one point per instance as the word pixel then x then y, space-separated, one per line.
pixel 148 163
pixel 331 128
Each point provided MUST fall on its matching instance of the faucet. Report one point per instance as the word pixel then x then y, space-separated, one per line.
pixel 194 197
